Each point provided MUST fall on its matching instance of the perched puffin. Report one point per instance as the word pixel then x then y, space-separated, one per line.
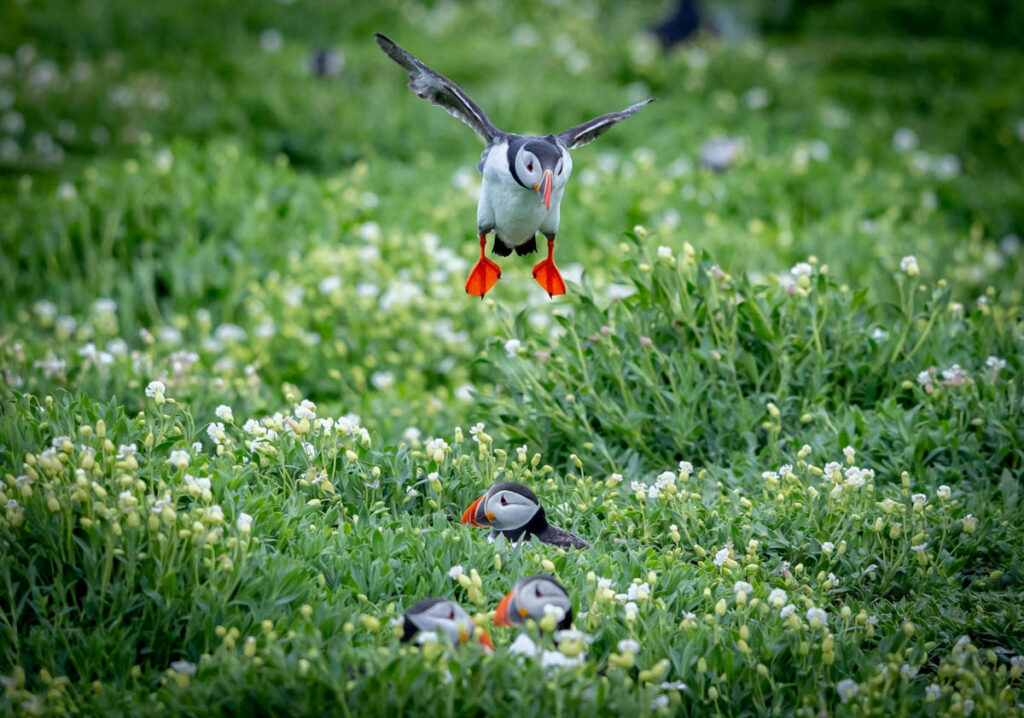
pixel 524 176
pixel 530 598
pixel 513 510
pixel 430 614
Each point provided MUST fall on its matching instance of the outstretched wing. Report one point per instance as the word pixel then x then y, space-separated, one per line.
pixel 439 89
pixel 592 129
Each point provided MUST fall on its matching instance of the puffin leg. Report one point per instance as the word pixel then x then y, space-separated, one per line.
pixel 485 273
pixel 547 274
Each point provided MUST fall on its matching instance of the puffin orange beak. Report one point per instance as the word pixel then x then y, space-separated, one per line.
pixel 470 515
pixel 545 189
pixel 485 641
pixel 501 615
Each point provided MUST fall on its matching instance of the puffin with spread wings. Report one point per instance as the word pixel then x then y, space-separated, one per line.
pixel 524 176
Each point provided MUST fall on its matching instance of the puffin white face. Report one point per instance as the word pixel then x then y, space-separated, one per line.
pixel 507 509
pixel 543 166
pixel 534 598
pixel 447 616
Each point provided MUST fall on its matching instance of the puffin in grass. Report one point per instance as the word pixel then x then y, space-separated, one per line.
pixel 524 176
pixel 535 597
pixel 426 617
pixel 513 511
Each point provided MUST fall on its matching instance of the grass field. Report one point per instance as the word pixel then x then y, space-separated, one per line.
pixel 245 398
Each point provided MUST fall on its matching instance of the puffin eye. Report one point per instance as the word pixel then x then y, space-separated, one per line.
pixel 529 166
pixel 504 501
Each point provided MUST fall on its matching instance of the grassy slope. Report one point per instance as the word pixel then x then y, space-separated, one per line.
pixel 231 205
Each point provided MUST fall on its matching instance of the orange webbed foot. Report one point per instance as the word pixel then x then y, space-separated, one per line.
pixel 484 276
pixel 548 277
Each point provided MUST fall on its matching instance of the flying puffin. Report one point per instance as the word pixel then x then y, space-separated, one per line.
pixel 512 510
pixel 430 614
pixel 524 176
pixel 530 598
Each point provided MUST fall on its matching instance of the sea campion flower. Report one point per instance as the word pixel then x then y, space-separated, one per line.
pixel 512 346
pixel 179 459
pixel 435 449
pixel 970 523
pixel 244 523
pixel 224 413
pixel 216 433
pixel 778 598
pixel 156 390
pixel 305 410
pixel 722 558
pixel 847 689
pixel 638 592
pixel 908 265
pixel 629 645
pixel 631 610
pixel 944 492
pixel 183 667
pixel 816 617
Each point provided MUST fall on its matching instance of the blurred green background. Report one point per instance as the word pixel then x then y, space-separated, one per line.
pixel 243 201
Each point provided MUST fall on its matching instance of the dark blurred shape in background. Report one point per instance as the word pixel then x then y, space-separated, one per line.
pixel 682 24
pixel 326 62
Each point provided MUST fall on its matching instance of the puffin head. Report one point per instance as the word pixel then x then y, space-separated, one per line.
pixel 505 507
pixel 534 597
pixel 541 164
pixel 433 614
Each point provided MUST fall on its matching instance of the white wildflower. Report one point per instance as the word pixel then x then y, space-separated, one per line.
pixel 305 410
pixel 184 667
pixel 631 611
pixel 817 617
pixel 179 459
pixel 908 265
pixel 847 689
pixel 721 557
pixel 244 523
pixel 216 432
pixel 802 269
pixel 382 379
pixel 628 645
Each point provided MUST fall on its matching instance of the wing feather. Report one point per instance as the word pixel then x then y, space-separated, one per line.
pixel 439 89
pixel 592 129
